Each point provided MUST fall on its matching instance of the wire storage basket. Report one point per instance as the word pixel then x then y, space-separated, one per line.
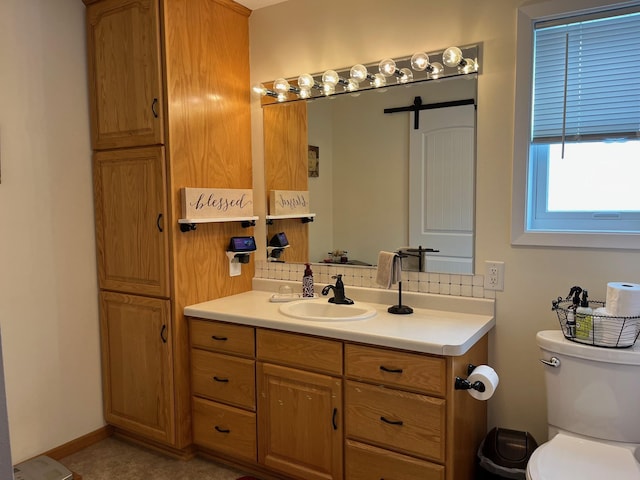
pixel 597 328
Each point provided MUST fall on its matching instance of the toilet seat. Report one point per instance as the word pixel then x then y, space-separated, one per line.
pixel 565 456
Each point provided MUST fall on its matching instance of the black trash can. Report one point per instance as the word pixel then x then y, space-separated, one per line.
pixel 504 453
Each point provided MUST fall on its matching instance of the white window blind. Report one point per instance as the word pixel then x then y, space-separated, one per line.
pixel 599 59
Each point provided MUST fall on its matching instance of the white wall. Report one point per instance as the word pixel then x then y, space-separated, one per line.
pixel 48 291
pixel 300 36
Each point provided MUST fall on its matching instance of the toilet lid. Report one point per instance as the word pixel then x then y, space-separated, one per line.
pixel 566 457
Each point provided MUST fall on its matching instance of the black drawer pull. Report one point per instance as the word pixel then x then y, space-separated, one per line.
pixel 154 104
pixel 390 370
pixel 220 339
pixel 221 380
pixel 391 422
pixel 222 430
pixel 163 334
pixel 333 419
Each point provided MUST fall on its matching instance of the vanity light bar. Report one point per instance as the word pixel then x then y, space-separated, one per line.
pixel 420 67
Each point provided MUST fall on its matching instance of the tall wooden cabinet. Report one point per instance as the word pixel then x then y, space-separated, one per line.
pixel 170 108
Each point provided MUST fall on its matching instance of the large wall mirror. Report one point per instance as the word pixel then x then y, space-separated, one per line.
pixel 379 178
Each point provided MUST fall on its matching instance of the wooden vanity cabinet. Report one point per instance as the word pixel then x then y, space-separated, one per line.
pixel 223 386
pixel 300 413
pixel 332 409
pixel 155 68
pixel 403 417
pixel 397 403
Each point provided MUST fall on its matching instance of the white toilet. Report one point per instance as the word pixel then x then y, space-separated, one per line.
pixel 593 403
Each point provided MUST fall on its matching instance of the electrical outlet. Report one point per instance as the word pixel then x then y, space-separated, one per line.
pixel 493 275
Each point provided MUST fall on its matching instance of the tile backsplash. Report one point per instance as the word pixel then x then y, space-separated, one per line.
pixel 421 282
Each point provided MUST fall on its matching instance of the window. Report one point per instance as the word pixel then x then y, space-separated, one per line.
pixel 578 152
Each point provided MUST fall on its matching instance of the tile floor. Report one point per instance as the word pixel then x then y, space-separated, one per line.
pixel 112 459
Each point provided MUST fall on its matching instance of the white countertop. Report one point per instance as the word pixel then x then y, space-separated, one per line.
pixel 440 332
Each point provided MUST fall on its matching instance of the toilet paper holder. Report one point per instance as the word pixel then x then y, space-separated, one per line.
pixel 464 384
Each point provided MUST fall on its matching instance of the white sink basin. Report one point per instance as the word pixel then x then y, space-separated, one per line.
pixel 322 311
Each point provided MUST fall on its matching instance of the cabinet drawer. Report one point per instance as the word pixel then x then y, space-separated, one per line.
pixel 300 351
pixel 224 378
pixel 222 337
pixel 407 370
pixel 224 429
pixel 403 421
pixel 364 462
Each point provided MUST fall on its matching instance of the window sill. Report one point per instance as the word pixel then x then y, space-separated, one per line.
pixel 621 241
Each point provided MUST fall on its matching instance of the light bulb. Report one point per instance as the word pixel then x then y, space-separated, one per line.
pixel 406 75
pixel 379 80
pixel 330 77
pixel 328 89
pixel 282 97
pixel 419 61
pixel 306 81
pixel 281 85
pixel 260 89
pixel 452 57
pixel 387 67
pixel 435 69
pixel 469 66
pixel 358 72
pixel 352 85
pixel 304 93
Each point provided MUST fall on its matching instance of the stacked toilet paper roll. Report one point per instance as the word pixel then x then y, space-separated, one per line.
pixel 611 325
pixel 612 331
pixel 488 377
pixel 623 299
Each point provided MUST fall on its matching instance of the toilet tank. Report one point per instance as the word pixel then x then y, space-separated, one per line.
pixel 594 390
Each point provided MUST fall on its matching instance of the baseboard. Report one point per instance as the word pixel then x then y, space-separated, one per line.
pixel 80 443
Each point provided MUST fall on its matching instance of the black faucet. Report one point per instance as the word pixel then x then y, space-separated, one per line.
pixel 338 292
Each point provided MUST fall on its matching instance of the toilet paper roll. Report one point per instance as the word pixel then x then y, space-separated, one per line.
pixel 486 375
pixel 611 331
pixel 623 299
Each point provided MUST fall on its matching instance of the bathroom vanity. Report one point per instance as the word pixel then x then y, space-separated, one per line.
pixel 360 400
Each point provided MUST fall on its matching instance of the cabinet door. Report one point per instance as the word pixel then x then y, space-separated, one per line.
pixel 136 364
pixel 130 205
pixel 299 422
pixel 123 45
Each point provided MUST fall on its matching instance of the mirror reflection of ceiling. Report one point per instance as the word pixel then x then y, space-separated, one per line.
pixel 361 194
